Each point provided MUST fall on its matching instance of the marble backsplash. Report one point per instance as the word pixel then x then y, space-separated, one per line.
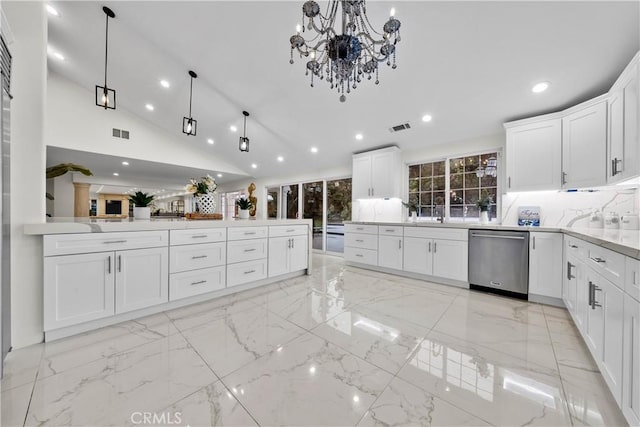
pixel 377 210
pixel 570 209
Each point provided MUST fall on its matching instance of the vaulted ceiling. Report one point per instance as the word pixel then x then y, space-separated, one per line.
pixel 471 65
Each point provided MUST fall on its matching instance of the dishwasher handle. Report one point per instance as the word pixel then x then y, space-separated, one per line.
pixel 498 236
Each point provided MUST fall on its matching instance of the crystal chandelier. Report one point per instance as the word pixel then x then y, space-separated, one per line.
pixel 347 56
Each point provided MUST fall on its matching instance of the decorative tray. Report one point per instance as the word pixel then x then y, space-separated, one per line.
pixel 196 215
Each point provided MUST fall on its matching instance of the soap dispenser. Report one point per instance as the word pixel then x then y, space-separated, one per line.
pixel 596 220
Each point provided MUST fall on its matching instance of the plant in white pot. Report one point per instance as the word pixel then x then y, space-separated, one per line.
pixel 141 202
pixel 244 204
pixel 204 192
pixel 483 203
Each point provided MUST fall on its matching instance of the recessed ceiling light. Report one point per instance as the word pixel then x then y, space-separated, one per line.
pixel 210 141
pixel 280 159
pixel 52 10
pixel 253 165
pixel 125 163
pixel 314 149
pixel 149 107
pixel 233 128
pixel 165 84
pixel 359 136
pixel 540 87
pixel 116 174
pixel 219 175
pixel 426 118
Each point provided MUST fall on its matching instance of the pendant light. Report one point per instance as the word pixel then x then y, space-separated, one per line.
pixel 189 124
pixel 244 141
pixel 106 97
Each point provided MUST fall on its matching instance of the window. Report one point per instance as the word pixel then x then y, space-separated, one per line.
pixel 272 202
pixel 452 187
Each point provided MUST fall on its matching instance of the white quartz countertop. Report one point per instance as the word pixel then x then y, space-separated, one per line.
pixel 626 242
pixel 88 225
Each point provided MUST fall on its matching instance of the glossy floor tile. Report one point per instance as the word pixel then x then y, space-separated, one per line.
pixel 342 346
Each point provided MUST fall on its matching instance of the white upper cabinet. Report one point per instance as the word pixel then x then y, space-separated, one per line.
pixel 584 145
pixel 623 153
pixel 377 174
pixel 534 156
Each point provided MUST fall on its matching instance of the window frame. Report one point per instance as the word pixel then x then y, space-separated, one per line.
pixel 447 159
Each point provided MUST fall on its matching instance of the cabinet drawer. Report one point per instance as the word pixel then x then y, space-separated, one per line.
pixel 243 233
pixel 437 233
pixel 204 235
pixel 65 244
pixel 190 283
pixel 608 263
pixel 632 277
pixel 246 250
pixel 292 230
pixel 361 228
pixel 192 257
pixel 245 272
pixel 575 247
pixel 363 256
pixel 390 230
pixel 363 241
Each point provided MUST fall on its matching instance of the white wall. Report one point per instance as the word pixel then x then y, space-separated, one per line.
pixel 70 106
pixel 28 22
pixel 64 194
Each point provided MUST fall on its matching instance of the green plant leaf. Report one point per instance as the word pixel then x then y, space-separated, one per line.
pixel 63 168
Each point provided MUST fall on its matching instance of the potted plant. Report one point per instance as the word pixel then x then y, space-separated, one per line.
pixel 244 204
pixel 141 202
pixel 203 191
pixel 413 209
pixel 483 203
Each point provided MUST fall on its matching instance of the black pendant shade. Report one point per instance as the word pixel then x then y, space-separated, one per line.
pixel 189 124
pixel 243 145
pixel 105 96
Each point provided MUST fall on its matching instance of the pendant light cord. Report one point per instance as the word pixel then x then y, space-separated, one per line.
pixel 245 127
pixel 190 96
pixel 106 52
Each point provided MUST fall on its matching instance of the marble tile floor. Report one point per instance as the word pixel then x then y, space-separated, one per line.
pixel 343 346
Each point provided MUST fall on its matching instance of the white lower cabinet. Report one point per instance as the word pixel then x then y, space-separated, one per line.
pixel 545 264
pixel 142 278
pixel 245 272
pixel 190 283
pixel 78 288
pixel 417 255
pixel 573 272
pixel 390 251
pixel 287 254
pixel 436 257
pixel 631 361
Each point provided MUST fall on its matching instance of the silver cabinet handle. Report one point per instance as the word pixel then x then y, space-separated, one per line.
pixel 249 272
pixel 614 166
pixel 492 283
pixel 399 244
pixel 564 178
pixel 573 246
pixel 534 243
pixel 198 283
pixel 199 236
pixel 372 192
pixel 250 250
pixel 595 303
pixel 429 247
pixel 293 243
pixel 198 256
pixel 359 240
pixel 390 231
pixel 597 259
pixel 110 242
pixel 119 263
pixel 590 302
pixel 634 278
pixel 569 267
pixel 249 233
pixel 290 230
pixel 509 182
pixel 434 247
pixel 359 255
pixel 360 228
pixel 109 265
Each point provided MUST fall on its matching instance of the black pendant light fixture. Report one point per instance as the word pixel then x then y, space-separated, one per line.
pixel 106 97
pixel 244 141
pixel 189 124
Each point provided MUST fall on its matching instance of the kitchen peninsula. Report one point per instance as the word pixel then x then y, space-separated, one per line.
pixel 101 272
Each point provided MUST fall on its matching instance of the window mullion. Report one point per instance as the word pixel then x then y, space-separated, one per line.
pixel 447 188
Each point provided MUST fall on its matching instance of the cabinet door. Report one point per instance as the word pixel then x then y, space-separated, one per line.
pixel 385 174
pixel 545 264
pixel 631 160
pixel 615 149
pixel 361 180
pixel 417 255
pixel 279 256
pixel 631 361
pixel 142 278
pixel 623 150
pixel 584 145
pixel 390 252
pixel 78 288
pixel 450 259
pixel 298 253
pixel 594 326
pixel 582 298
pixel 612 301
pixel 534 153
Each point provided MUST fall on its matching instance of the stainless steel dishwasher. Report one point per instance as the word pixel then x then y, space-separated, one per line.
pixel 499 260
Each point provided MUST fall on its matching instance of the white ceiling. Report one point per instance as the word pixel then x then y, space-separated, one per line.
pixel 470 65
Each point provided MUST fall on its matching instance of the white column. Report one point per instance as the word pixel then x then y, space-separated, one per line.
pixel 28 23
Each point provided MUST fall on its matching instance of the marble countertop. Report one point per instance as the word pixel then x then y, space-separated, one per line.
pixel 88 225
pixel 626 242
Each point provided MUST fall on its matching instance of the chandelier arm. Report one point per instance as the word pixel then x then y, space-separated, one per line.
pixel 371 39
pixel 371 26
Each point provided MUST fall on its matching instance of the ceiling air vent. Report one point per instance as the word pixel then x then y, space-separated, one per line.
pixel 120 133
pixel 398 128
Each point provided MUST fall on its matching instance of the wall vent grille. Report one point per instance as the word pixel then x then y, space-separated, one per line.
pixel 120 133
pixel 398 128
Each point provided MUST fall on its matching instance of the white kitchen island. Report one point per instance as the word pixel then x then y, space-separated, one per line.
pixel 101 272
